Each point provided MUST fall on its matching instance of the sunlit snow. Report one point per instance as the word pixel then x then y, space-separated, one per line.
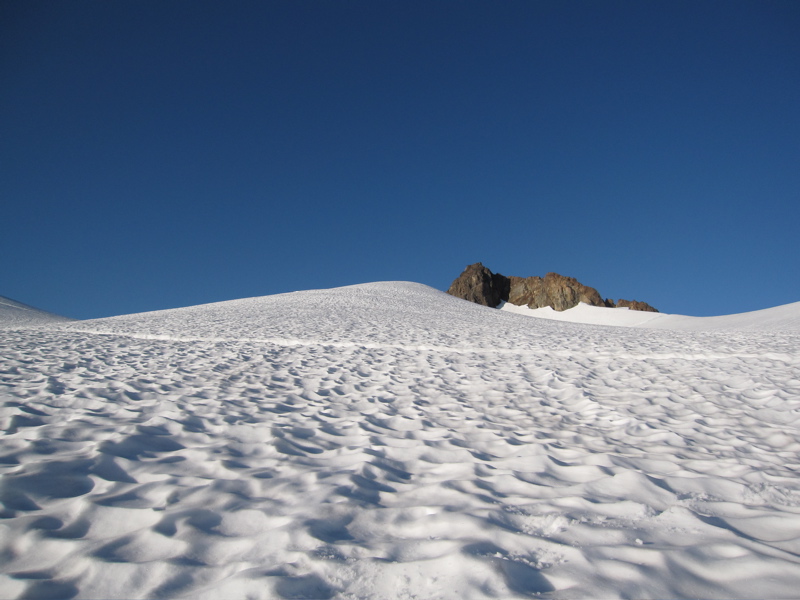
pixel 389 441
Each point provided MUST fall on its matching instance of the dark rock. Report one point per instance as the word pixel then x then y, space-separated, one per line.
pixel 478 284
pixel 636 305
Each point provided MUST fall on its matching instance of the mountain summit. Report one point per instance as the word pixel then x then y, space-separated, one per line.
pixel 478 284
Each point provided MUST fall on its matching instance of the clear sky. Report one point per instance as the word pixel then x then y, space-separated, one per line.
pixel 156 154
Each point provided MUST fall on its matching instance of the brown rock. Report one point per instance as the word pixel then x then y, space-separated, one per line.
pixel 478 284
pixel 554 290
pixel 636 305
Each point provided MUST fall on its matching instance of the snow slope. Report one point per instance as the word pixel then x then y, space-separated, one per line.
pixel 389 441
pixel 779 318
pixel 17 314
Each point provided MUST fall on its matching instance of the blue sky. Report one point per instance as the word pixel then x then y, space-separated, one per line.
pixel 160 154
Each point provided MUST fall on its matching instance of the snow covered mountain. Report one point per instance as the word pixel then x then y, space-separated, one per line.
pixel 387 440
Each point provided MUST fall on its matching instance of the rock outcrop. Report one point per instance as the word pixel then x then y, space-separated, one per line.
pixel 554 290
pixel 635 305
pixel 478 284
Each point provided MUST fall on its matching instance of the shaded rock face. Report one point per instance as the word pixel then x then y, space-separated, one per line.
pixel 478 284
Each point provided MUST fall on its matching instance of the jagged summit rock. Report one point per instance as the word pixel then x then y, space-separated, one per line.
pixel 478 284
pixel 554 290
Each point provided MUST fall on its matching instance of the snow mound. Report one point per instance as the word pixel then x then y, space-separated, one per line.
pixel 389 441
pixel 779 318
pixel 17 314
pixel 399 314
pixel 587 314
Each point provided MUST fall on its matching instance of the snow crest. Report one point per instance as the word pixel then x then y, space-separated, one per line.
pixel 17 314
pixel 389 441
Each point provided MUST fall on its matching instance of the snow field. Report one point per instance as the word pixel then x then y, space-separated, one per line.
pixel 388 441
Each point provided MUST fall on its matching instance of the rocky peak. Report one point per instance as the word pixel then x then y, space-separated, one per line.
pixel 554 290
pixel 478 284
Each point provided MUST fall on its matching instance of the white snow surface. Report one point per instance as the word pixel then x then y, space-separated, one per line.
pixel 389 441
pixel 17 314
pixel 780 318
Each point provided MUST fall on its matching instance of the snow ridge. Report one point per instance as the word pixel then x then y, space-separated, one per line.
pixel 17 314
